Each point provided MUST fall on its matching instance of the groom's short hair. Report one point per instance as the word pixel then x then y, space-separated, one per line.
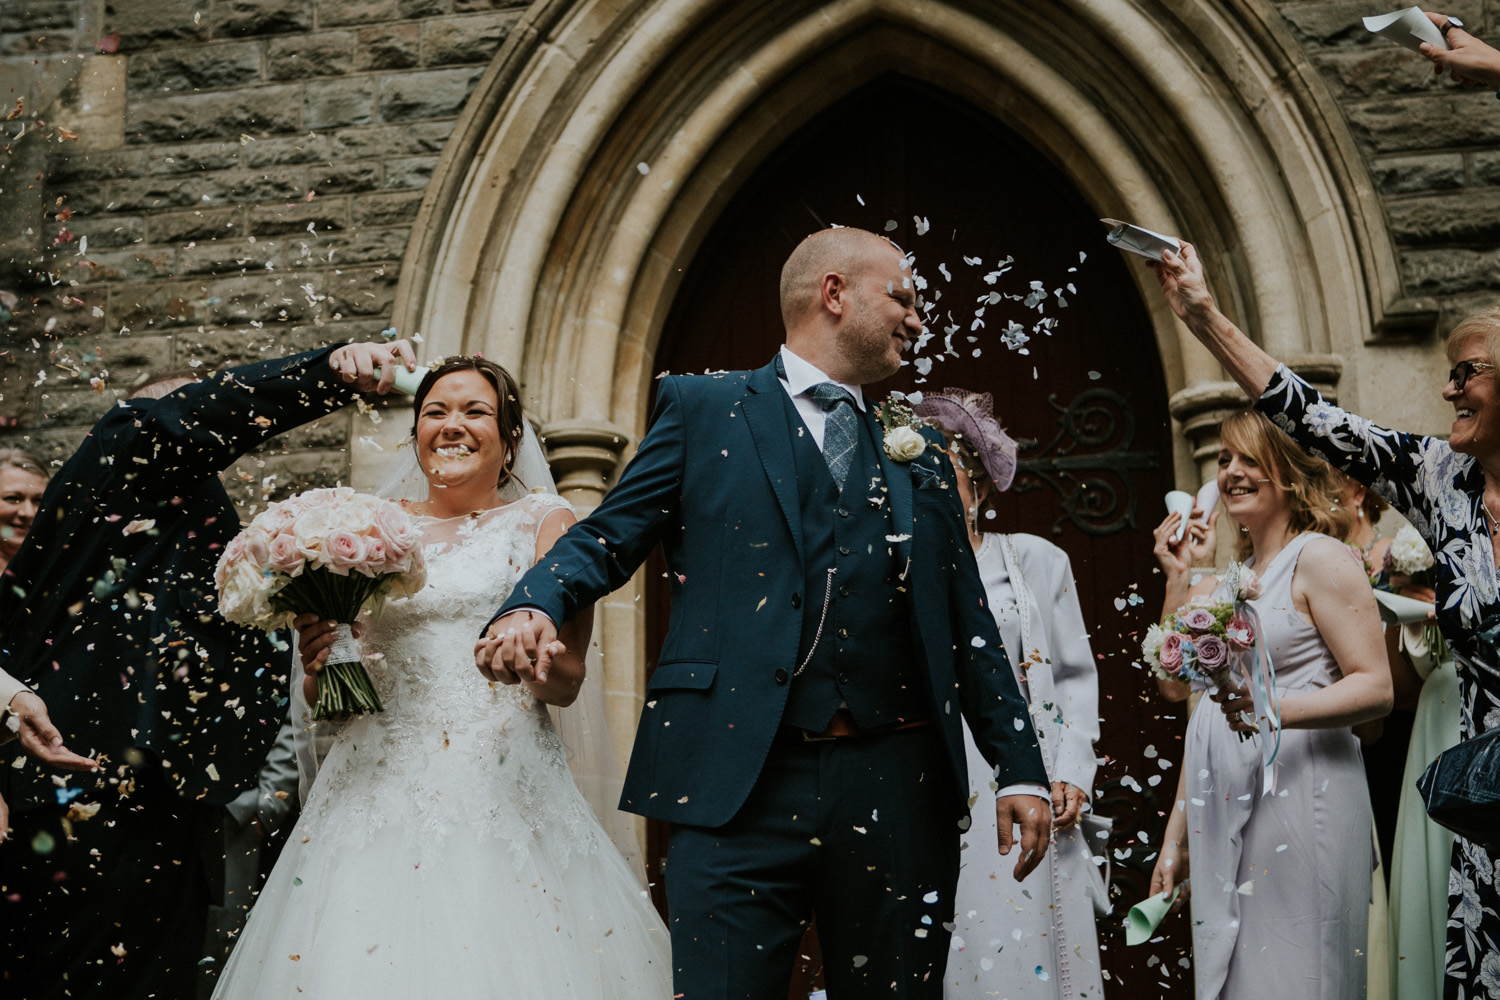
pixel 842 249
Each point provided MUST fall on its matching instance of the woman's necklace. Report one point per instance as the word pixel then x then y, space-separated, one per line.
pixel 1489 518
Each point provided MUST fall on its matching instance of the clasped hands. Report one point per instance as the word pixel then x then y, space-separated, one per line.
pixel 518 648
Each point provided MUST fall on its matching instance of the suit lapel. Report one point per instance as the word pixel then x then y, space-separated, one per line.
pixel 898 481
pixel 765 415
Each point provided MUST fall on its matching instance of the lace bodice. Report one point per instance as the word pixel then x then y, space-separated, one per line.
pixel 452 750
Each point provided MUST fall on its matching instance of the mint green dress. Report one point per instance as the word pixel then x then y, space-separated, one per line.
pixel 1423 850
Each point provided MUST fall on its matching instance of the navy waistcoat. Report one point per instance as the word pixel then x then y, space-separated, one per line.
pixel 865 657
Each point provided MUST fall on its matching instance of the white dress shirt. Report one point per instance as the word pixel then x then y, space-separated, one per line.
pixel 803 375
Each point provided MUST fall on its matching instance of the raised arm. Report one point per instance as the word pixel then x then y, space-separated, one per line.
pixel 1186 291
pixel 1471 62
pixel 201 428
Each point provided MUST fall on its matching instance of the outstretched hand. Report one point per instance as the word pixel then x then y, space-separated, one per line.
pixel 355 364
pixel 1469 61
pixel 518 648
pixel 1034 816
pixel 40 738
pixel 1183 283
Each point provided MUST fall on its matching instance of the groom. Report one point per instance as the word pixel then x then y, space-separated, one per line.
pixel 801 731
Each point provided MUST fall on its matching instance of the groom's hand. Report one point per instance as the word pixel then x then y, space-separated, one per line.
pixel 1034 816
pixel 517 648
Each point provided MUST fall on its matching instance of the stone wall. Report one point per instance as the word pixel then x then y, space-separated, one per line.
pixel 211 182
pixel 224 181
pixel 1433 149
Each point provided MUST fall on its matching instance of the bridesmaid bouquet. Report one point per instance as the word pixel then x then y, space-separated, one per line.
pixel 1194 643
pixel 331 552
pixel 1410 556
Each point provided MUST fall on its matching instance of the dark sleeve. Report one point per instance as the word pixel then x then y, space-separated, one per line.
pixel 600 553
pixel 992 704
pixel 200 429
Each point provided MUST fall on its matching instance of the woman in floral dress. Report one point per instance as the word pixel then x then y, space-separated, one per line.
pixel 1450 492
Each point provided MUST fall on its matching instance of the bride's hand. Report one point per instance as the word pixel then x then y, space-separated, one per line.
pixel 315 637
pixel 518 648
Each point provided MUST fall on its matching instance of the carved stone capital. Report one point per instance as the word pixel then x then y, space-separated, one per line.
pixel 585 457
pixel 1201 408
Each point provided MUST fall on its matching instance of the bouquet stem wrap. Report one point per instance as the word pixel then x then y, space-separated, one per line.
pixel 344 687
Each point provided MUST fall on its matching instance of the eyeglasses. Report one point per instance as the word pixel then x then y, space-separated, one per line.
pixel 1465 370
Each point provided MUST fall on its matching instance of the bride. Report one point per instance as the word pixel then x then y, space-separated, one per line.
pixel 444 850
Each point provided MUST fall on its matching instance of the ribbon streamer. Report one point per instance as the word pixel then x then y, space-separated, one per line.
pixel 1263 693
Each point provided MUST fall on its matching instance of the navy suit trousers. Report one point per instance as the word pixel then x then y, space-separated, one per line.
pixel 861 831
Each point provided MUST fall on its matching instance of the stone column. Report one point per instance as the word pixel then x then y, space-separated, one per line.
pixel 1203 406
pixel 585 456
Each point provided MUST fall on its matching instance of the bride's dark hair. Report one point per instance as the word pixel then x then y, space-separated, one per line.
pixel 509 415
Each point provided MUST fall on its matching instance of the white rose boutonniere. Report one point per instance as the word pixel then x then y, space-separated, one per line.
pixel 903 441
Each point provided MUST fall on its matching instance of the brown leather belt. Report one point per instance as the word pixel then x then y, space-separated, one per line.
pixel 843 728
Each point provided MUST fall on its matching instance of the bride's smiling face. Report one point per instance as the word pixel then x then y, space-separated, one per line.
pixel 458 432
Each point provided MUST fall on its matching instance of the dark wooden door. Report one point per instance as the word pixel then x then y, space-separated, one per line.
pixel 1088 403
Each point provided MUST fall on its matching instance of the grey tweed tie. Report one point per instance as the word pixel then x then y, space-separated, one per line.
pixel 839 429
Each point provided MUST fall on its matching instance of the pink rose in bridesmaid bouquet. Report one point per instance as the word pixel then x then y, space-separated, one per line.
pixel 1212 653
pixel 1171 651
pixel 1199 619
pixel 1239 633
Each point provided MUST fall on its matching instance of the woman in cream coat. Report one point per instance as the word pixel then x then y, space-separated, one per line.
pixel 1040 941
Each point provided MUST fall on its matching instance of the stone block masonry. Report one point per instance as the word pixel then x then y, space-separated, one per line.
pixel 1430 147
pixel 266 163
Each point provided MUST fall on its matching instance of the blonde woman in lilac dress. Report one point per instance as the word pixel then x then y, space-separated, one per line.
pixel 1280 883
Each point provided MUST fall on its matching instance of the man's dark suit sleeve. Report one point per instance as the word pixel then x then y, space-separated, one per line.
pixel 993 706
pixel 200 429
pixel 600 553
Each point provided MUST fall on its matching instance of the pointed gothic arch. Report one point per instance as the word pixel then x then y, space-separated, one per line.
pixel 607 136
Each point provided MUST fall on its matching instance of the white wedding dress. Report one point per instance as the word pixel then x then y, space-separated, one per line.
pixel 444 850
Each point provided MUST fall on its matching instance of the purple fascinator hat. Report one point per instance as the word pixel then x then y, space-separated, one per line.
pixel 972 416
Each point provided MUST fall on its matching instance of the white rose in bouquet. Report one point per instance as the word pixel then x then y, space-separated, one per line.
pixel 1409 554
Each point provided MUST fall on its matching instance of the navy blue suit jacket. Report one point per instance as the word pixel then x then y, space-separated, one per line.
pixel 714 481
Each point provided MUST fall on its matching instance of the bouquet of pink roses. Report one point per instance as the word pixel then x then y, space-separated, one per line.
pixel 1195 642
pixel 331 552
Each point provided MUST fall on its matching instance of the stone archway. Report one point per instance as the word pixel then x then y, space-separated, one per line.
pixel 609 134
